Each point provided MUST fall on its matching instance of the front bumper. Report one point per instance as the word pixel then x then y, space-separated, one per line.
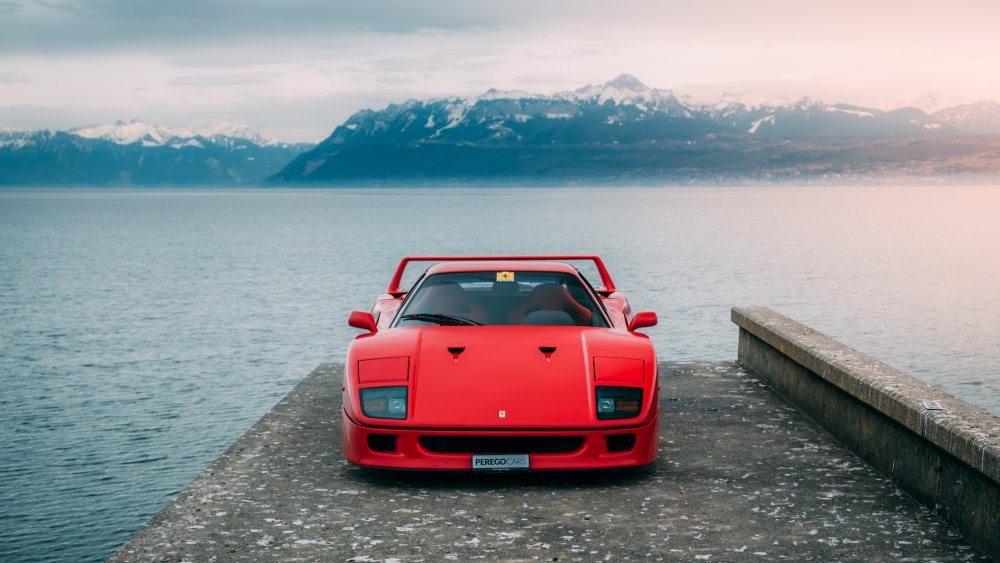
pixel 396 448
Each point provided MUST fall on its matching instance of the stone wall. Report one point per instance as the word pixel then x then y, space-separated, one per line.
pixel 941 449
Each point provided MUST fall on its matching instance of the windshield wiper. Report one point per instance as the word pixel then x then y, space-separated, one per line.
pixel 445 320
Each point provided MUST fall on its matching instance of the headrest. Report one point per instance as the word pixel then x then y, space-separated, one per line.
pixel 544 317
pixel 506 287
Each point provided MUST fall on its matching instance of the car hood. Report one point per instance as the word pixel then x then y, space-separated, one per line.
pixel 500 377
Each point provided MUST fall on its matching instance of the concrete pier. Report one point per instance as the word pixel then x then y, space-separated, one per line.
pixel 941 449
pixel 742 475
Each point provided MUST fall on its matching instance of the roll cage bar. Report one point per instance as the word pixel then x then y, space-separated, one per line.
pixel 608 289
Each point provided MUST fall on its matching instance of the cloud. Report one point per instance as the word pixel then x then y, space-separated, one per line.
pixel 232 79
pixel 470 57
pixel 59 26
pixel 81 26
pixel 313 62
pixel 14 78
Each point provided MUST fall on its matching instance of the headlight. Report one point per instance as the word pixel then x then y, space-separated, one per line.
pixel 384 402
pixel 618 402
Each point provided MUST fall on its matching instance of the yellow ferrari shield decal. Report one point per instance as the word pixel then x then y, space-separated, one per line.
pixel 505 276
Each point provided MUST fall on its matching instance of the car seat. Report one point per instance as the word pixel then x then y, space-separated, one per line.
pixel 551 297
pixel 449 299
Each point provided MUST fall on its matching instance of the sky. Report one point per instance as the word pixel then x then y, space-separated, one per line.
pixel 298 68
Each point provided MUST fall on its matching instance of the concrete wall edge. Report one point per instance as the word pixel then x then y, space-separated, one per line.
pixel 963 430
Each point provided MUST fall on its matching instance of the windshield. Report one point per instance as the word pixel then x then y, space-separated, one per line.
pixel 501 298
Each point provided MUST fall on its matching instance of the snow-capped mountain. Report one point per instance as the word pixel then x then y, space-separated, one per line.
pixel 623 110
pixel 981 118
pixel 14 139
pixel 627 90
pixel 622 129
pixel 122 133
pixel 136 131
pixel 431 137
pixel 807 118
pixel 930 103
pixel 138 153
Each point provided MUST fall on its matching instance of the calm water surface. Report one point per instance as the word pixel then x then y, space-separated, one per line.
pixel 142 332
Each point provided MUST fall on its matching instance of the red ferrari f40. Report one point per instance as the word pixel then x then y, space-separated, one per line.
pixel 501 363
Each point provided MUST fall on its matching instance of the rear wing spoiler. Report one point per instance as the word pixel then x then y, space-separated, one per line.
pixel 393 289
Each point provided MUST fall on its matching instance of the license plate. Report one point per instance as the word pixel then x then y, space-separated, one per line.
pixel 500 462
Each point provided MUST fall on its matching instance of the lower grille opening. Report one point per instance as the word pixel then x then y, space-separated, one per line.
pixel 620 442
pixel 382 442
pixel 502 444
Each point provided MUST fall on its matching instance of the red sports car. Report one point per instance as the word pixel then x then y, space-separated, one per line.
pixel 501 363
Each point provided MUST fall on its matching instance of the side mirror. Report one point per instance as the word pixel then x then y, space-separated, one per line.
pixel 363 320
pixel 642 320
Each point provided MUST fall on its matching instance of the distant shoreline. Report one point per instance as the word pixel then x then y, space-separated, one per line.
pixel 968 180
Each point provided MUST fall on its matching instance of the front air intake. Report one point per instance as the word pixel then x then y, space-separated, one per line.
pixel 620 442
pixel 382 442
pixel 502 444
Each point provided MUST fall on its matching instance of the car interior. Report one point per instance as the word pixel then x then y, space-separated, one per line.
pixel 530 298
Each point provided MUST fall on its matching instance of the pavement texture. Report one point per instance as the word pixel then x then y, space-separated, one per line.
pixel 742 476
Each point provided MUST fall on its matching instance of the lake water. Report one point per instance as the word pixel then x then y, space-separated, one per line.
pixel 142 332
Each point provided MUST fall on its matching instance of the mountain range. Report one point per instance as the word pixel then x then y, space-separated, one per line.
pixel 626 131
pixel 136 153
pixel 621 131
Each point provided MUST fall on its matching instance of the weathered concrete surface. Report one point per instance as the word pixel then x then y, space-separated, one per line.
pixel 742 476
pixel 947 458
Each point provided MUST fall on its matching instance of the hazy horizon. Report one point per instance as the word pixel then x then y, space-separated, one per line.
pixel 297 69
